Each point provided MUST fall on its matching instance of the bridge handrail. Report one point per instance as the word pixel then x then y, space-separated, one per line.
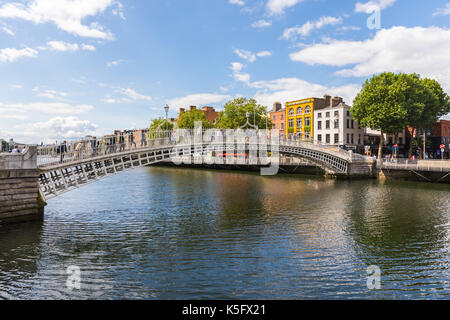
pixel 89 148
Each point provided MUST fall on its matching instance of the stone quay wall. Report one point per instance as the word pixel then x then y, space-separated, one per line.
pixel 19 189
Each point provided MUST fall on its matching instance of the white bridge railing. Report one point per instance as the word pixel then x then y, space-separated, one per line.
pixel 91 148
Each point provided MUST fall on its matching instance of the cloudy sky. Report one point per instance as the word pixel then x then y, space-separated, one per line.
pixel 75 67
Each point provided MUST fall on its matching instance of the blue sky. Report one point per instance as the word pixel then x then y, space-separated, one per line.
pixel 76 67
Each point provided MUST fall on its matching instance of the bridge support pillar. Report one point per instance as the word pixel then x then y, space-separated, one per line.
pixel 20 198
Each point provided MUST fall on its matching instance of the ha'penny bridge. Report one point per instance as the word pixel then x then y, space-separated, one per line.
pixel 40 173
pixel 66 168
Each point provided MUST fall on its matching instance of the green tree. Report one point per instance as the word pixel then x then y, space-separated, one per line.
pixel 187 119
pixel 160 124
pixel 158 128
pixel 426 102
pixel 381 105
pixel 235 114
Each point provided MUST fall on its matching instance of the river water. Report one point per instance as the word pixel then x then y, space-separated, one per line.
pixel 171 233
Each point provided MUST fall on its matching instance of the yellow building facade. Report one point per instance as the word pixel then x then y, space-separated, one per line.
pixel 300 116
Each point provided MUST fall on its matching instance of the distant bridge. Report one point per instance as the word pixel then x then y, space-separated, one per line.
pixel 63 169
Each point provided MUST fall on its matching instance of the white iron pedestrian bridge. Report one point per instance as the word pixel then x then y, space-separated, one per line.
pixel 67 167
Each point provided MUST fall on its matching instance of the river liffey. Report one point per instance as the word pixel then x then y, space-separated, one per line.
pixel 171 233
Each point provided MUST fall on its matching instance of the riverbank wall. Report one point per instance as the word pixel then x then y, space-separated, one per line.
pixel 19 189
pixel 359 170
pixel 414 175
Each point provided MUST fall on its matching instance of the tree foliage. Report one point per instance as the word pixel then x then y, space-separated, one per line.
pixel 160 124
pixel 235 114
pixel 187 119
pixel 392 102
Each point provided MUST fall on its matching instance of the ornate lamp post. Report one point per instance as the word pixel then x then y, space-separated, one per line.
pixel 166 108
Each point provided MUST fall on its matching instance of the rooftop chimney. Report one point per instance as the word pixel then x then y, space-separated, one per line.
pixel 327 100
pixel 182 110
pixel 335 101
pixel 277 106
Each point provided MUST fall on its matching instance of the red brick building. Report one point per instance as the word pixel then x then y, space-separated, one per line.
pixel 210 113
pixel 441 135
pixel 278 117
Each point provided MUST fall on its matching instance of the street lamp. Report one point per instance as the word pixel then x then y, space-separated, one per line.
pixel 166 108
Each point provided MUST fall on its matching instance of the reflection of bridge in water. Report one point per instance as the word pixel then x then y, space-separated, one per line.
pixel 69 167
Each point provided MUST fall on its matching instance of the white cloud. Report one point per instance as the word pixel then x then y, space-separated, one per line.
pixel 237 2
pixel 8 31
pixel 264 54
pixel 50 94
pixel 64 46
pixel 68 15
pixel 12 54
pixel 399 49
pixel 443 11
pixel 308 27
pixel 130 96
pixel 373 5
pixel 198 99
pixel 279 6
pixel 246 55
pixel 131 93
pixel 250 56
pixel 59 128
pixel 16 86
pixel 119 11
pixel 41 107
pixel 113 63
pixel 237 67
pixel 289 89
pixel 260 24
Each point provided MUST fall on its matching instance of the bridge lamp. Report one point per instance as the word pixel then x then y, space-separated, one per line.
pixel 166 108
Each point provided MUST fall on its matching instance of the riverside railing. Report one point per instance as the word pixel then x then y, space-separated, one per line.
pixel 416 165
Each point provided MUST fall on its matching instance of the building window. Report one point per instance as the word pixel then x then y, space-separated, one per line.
pixel 274 118
pixel 348 123
pixel 348 113
pixel 307 121
pixel 308 110
pixel 327 138
pixel 319 138
pixel 274 126
pixel 282 117
pixel 319 125
pixel 336 113
pixel 353 124
pixel 282 126
pixel 336 124
pixel 327 114
pixel 319 115
pixel 291 112
pixel 291 123
pixel 299 123
pixel 336 138
pixel 299 111
pixel 353 139
pixel 359 139
pixel 327 124
pixel 348 138
pixel 400 140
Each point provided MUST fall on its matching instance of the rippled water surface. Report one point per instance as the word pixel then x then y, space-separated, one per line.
pixel 163 233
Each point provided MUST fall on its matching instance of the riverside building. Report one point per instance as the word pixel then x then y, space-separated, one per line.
pixel 334 125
